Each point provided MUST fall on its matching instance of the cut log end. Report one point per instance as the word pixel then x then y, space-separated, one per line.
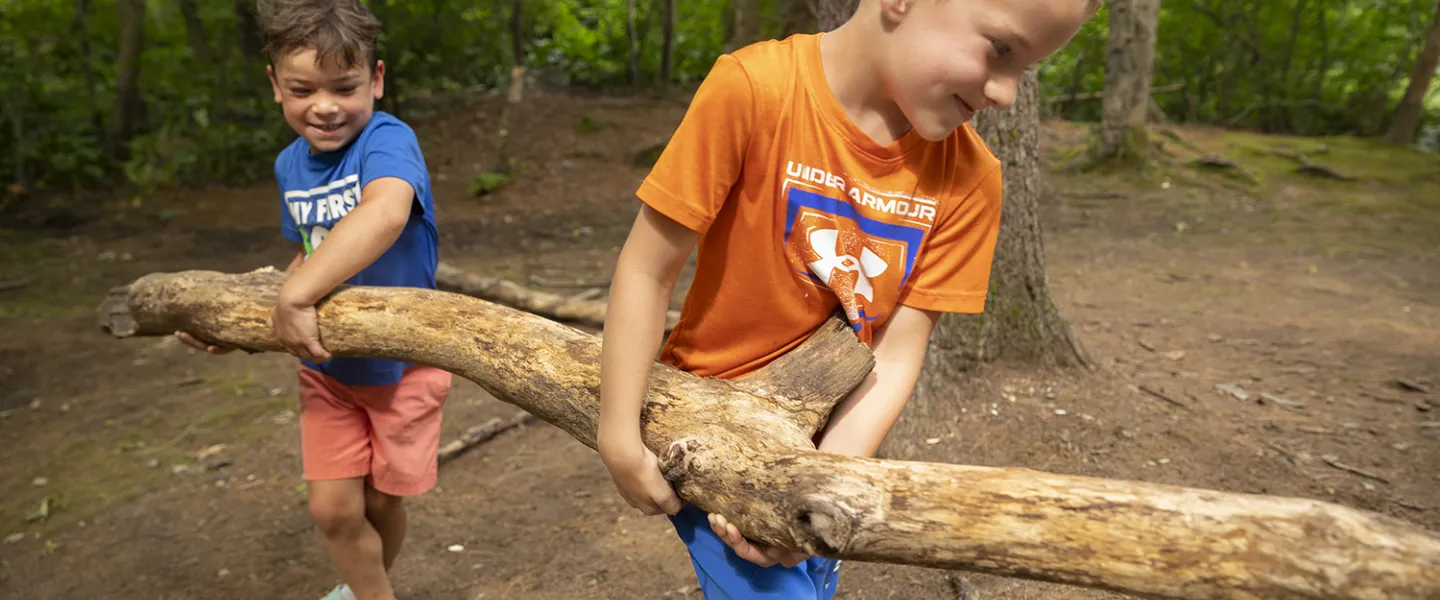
pixel 114 315
pixel 827 525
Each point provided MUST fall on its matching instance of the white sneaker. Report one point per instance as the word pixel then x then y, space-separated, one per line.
pixel 341 592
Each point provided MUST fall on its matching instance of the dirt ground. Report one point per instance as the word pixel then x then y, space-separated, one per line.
pixel 1318 292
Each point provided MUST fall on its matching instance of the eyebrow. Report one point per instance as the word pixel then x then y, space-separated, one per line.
pixel 1021 40
pixel 303 81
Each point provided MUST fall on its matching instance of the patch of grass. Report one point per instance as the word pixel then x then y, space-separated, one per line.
pixel 88 473
pixel 84 476
pixel 44 308
pixel 1365 158
pixel 588 125
pixel 647 157
pixel 487 182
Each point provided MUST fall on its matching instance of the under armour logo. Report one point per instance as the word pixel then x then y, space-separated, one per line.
pixel 825 242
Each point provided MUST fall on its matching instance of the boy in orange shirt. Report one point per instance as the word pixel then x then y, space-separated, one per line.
pixel 824 171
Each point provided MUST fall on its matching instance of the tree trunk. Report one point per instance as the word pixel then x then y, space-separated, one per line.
pixel 747 24
pixel 504 163
pixel 743 449
pixel 129 105
pixel 830 14
pixel 798 17
pixel 195 32
pixel 1129 61
pixel 633 69
pixel 247 25
pixel 1412 105
pixel 1020 321
pixel 667 49
pixel 517 32
pixel 80 30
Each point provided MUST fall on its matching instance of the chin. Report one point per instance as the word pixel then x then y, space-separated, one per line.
pixel 934 131
pixel 330 144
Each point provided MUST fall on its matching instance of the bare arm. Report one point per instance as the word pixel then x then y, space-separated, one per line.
pixel 297 261
pixel 644 279
pixel 355 242
pixel 860 423
pixel 199 344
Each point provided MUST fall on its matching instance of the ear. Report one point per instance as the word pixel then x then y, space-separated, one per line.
pixel 377 81
pixel 895 11
pixel 274 85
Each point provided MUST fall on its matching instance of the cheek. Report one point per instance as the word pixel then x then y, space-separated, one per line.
pixel 295 109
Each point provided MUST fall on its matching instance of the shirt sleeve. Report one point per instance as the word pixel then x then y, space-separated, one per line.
pixel 288 227
pixel 394 151
pixel 953 274
pixel 702 161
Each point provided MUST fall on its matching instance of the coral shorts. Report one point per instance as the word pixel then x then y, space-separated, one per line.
pixel 387 433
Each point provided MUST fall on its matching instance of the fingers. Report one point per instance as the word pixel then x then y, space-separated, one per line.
pixel 786 558
pixel 196 343
pixel 665 500
pixel 317 352
pixel 742 547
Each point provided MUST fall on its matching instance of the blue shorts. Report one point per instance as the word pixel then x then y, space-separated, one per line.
pixel 724 575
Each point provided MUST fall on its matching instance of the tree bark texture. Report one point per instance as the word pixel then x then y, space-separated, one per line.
pixel 633 68
pixel 747 24
pixel 129 105
pixel 1412 105
pixel 195 32
pixel 247 25
pixel 545 304
pixel 667 47
pixel 742 449
pixel 798 17
pixel 830 14
pixel 1129 62
pixel 517 31
pixel 1020 320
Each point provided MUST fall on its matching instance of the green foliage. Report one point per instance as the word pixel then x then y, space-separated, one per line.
pixel 487 182
pixel 1302 66
pixel 1310 67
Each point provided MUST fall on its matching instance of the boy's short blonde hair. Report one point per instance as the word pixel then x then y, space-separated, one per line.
pixel 344 31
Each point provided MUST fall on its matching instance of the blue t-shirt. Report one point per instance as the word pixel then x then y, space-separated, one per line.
pixel 317 190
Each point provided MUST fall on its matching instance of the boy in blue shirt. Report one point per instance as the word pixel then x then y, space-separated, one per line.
pixel 355 196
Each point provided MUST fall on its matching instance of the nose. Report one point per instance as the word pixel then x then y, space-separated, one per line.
pixel 324 106
pixel 1000 91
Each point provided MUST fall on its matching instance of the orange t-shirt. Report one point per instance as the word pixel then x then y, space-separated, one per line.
pixel 800 213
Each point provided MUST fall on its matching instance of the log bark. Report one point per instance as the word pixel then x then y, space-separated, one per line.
pixel 742 449
pixel 554 306
pixel 480 434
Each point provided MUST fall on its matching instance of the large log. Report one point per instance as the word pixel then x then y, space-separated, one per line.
pixel 743 449
pixel 545 304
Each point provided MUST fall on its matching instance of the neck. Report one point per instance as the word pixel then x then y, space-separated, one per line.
pixel 855 80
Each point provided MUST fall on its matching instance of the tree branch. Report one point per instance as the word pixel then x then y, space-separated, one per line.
pixel 731 449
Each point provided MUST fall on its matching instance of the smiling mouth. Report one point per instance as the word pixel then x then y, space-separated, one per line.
pixel 965 105
pixel 328 128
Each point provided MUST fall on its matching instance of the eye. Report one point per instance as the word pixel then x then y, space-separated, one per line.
pixel 346 89
pixel 297 91
pixel 1002 49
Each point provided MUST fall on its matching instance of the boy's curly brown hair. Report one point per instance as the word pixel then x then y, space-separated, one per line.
pixel 344 31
